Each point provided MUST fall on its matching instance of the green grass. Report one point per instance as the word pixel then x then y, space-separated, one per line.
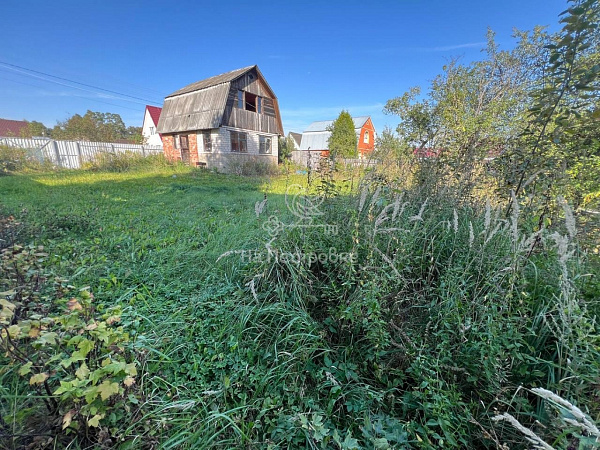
pixel 413 346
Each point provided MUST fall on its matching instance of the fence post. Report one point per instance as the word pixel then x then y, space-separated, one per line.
pixel 78 147
pixel 143 152
pixel 112 147
pixel 57 153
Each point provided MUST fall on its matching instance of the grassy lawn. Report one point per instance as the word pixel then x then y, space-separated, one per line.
pixel 439 321
pixel 150 240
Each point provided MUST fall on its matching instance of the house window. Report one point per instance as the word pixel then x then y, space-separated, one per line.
pixel 176 142
pixel 367 137
pixel 240 99
pixel 151 131
pixel 207 141
pixel 239 141
pixel 249 102
pixel 264 145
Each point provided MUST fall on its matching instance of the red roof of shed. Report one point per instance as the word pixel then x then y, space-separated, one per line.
pixel 12 127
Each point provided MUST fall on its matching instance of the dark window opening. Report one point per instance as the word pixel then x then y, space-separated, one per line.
pixel 250 102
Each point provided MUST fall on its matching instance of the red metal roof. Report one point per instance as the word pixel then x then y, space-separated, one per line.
pixel 12 127
pixel 154 113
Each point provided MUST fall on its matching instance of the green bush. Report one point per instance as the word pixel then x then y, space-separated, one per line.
pixel 73 353
pixel 18 159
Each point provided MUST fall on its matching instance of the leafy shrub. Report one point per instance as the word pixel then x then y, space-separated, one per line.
pixel 14 159
pixel 72 352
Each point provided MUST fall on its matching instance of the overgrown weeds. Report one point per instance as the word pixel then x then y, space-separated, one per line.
pixel 124 161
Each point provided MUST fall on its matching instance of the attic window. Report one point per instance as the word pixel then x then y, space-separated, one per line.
pixel 367 137
pixel 250 102
pixel 240 99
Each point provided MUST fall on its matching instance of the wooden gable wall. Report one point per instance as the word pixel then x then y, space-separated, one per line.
pixel 267 122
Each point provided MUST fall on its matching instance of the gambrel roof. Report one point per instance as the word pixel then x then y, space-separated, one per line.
pixel 212 81
pixel 201 105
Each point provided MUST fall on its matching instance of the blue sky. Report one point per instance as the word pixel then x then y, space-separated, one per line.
pixel 318 56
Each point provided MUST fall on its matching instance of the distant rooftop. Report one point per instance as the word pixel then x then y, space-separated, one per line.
pixel 10 128
pixel 322 125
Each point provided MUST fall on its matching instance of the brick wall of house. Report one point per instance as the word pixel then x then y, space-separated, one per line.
pixel 193 147
pixel 221 158
pixel 171 153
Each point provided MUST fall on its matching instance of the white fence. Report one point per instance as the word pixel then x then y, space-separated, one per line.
pixel 312 157
pixel 72 154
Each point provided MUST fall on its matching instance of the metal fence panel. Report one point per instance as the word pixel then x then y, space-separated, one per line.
pixel 72 154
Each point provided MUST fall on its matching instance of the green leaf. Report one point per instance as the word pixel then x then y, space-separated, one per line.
pixel 76 356
pixel 106 389
pixel 95 421
pixel 82 372
pixel 47 338
pixel 38 378
pixel 65 386
pixel 90 394
pixel 131 370
pixel 25 368
pixel 85 346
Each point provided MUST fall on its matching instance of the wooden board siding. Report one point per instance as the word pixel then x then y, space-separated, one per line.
pixel 213 106
pixel 248 120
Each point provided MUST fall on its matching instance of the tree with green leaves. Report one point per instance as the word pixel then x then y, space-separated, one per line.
pixel 559 151
pixel 342 142
pixel 286 146
pixel 35 129
pixel 93 126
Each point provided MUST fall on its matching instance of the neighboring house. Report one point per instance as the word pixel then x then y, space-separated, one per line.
pixel 12 128
pixel 297 138
pixel 223 121
pixel 315 137
pixel 150 126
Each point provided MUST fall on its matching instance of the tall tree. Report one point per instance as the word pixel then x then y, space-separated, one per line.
pixel 342 142
pixel 92 126
pixel 35 129
pixel 286 146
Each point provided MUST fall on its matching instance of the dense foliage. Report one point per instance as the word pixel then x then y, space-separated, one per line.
pixel 96 126
pixel 342 142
